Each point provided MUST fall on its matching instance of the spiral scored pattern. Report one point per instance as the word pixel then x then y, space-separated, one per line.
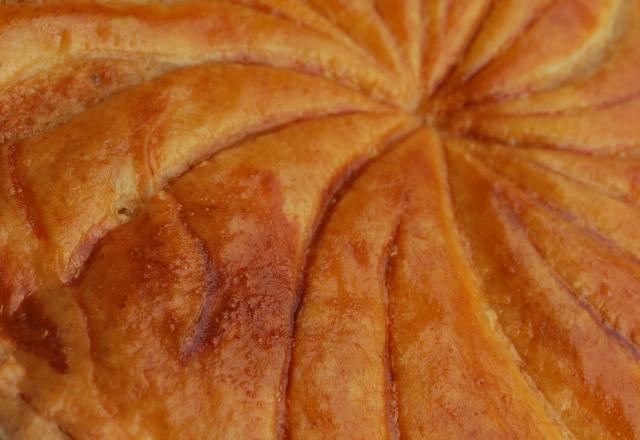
pixel 320 219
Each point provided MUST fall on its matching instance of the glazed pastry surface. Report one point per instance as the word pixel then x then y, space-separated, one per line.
pixel 320 219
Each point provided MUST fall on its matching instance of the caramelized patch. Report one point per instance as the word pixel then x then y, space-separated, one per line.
pixel 33 331
pixel 203 288
pixel 240 219
pixel 158 258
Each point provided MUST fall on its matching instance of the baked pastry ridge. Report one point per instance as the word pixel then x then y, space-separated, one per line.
pixel 319 219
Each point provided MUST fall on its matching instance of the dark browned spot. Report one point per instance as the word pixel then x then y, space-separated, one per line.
pixel 96 79
pixel 34 332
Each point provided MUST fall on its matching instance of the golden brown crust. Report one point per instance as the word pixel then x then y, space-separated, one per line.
pixel 319 219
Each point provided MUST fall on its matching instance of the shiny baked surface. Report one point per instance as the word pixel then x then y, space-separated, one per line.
pixel 320 219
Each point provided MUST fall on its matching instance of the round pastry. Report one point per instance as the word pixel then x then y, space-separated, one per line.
pixel 265 219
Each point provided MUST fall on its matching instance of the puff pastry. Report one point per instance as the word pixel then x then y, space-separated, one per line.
pixel 359 219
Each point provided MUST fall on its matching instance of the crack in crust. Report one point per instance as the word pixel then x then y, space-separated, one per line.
pixel 390 254
pixel 211 303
